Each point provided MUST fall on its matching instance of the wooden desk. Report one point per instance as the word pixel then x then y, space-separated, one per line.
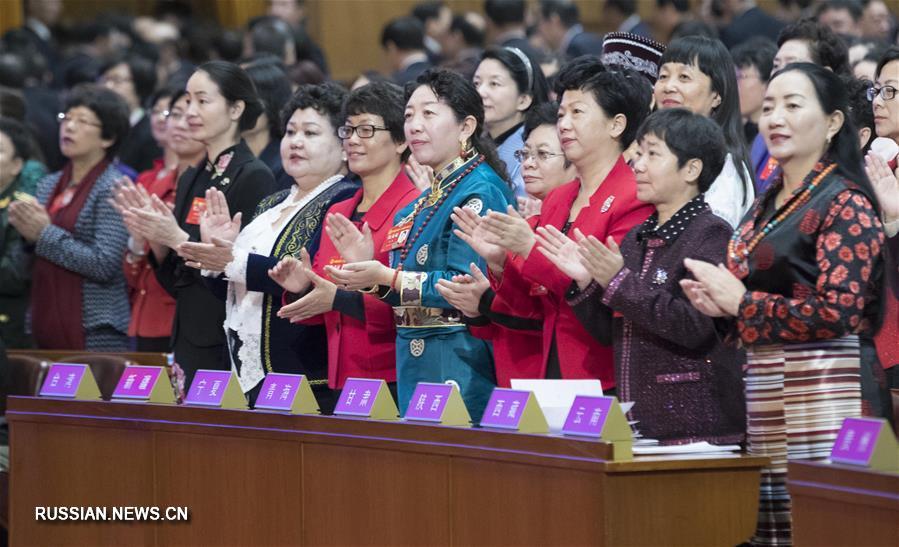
pixel 843 505
pixel 273 479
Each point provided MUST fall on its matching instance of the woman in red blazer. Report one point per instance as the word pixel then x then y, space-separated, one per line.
pixel 360 327
pixel 599 114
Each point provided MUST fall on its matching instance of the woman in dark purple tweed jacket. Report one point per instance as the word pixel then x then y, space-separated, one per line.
pixel 669 359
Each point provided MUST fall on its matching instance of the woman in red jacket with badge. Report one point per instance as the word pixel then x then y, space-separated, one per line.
pixel 599 114
pixel 360 327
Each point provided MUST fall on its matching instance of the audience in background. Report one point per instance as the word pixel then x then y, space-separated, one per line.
pixel 560 28
pixel 623 17
pixel 404 49
pixel 754 60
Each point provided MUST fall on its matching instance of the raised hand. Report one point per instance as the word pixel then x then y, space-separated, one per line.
pixel 353 245
pixel 127 195
pixel 510 230
pixel 319 300
pixel 721 286
pixel 464 291
pixel 216 220
pixel 155 224
pixel 214 256
pixel 559 249
pixel 886 185
pixel 290 273
pixel 29 218
pixel 603 262
pixel 421 175
pixel 361 275
pixel 697 295
pixel 470 231
pixel 529 206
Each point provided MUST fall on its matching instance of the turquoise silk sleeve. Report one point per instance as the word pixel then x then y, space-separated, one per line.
pixel 443 255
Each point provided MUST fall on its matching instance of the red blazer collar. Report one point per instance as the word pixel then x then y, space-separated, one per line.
pixel 620 180
pixel 383 209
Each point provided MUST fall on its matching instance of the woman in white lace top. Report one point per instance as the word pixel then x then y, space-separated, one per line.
pixel 287 223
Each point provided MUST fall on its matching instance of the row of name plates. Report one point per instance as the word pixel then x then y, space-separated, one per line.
pixel 863 442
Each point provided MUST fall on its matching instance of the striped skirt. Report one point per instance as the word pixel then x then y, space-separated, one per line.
pixel 796 397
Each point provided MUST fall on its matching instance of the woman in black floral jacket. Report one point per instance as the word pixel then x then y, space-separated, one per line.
pixel 801 283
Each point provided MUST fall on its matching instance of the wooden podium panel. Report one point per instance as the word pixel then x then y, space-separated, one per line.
pixel 260 478
pixel 405 497
pixel 215 476
pixel 114 469
pixel 843 505
pixel 526 505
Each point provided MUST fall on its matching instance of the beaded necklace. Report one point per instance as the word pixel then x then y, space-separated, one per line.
pixel 740 251
pixel 437 189
pixel 421 204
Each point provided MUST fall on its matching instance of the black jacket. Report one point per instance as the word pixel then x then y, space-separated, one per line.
pixel 197 333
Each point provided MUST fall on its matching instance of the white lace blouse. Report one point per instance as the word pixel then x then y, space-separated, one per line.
pixel 243 308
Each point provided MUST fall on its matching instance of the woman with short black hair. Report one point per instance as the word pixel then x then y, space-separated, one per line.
pixel 600 111
pixel 286 223
pixel 79 300
pixel 361 330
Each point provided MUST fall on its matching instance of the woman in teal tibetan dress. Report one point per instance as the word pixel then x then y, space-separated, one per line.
pixel 444 123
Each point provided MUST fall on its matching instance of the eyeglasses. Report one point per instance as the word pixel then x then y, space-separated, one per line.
pixel 174 116
pixel 542 156
pixel 887 92
pixel 63 117
pixel 161 113
pixel 364 131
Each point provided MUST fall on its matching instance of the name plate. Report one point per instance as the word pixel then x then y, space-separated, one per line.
pixel 516 410
pixel 140 383
pixel 216 388
pixel 601 418
pixel 70 381
pixel 366 398
pixel 287 393
pixel 438 403
pixel 866 442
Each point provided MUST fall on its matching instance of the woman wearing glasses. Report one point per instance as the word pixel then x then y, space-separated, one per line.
pixel 361 332
pixel 78 298
pixel 517 339
pixel 885 101
pixel 286 223
pixel 152 307
pixel 600 111
pixel 444 119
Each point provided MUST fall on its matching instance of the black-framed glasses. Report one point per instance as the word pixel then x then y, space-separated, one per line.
pixel 62 117
pixel 542 156
pixel 364 131
pixel 887 92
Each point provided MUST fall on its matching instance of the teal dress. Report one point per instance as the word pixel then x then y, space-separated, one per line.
pixel 432 344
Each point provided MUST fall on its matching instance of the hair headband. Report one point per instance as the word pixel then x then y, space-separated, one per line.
pixel 527 65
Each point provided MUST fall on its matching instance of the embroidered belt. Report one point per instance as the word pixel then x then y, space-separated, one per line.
pixel 418 318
